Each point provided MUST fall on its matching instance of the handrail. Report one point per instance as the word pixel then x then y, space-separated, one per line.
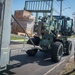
pixel 23 30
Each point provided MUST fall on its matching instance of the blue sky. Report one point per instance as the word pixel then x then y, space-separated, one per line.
pixel 19 5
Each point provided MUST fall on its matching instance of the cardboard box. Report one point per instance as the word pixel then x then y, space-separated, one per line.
pixel 23 15
pixel 26 23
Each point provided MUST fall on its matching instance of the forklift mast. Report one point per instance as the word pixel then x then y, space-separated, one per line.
pixel 5 31
pixel 39 6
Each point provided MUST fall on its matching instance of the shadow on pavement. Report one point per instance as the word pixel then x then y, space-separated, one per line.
pixel 7 72
pixel 40 58
pixel 23 59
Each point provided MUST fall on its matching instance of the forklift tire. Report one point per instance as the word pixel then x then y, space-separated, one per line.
pixel 35 40
pixel 68 47
pixel 32 52
pixel 57 51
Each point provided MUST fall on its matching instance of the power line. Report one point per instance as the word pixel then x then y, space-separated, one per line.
pixel 65 6
pixel 53 9
pixel 62 9
pixel 57 3
pixel 56 10
pixel 67 2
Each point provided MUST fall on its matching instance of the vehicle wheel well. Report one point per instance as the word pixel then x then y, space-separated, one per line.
pixel 59 41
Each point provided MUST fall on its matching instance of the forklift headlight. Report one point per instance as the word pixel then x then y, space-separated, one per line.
pixel 58 35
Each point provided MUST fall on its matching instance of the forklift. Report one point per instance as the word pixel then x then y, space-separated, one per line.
pixel 56 42
pixel 51 37
pixel 52 32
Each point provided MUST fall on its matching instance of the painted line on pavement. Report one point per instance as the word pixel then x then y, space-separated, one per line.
pixel 18 50
pixel 72 56
pixel 54 67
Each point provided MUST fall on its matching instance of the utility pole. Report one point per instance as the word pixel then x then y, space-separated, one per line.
pixel 60 7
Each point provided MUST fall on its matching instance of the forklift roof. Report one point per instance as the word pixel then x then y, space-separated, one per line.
pixel 37 0
pixel 62 17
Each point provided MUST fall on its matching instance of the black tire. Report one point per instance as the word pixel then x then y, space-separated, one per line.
pixel 32 52
pixel 35 40
pixel 57 51
pixel 68 48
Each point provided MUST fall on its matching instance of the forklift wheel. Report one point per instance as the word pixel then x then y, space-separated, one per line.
pixel 31 52
pixel 57 51
pixel 68 47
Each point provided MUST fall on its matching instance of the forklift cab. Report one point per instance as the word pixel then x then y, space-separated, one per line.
pixel 5 31
pixel 65 25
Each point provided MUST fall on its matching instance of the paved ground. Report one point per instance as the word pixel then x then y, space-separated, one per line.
pixel 41 64
pixel 69 69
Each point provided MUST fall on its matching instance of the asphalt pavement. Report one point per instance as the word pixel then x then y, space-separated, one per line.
pixel 41 64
